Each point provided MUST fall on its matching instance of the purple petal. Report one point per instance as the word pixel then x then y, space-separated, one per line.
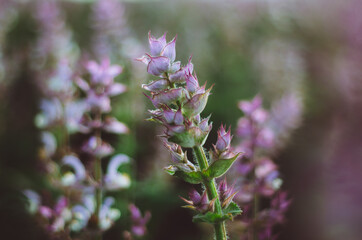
pixel 175 129
pixel 264 167
pixel 116 88
pixel 115 162
pixel 93 68
pixel 204 200
pixel 156 85
pixel 138 230
pixel 167 97
pixel 112 125
pixel 204 125
pixel 158 65
pixel 114 70
pixel 175 67
pixel 82 84
pixel 135 212
pixel 61 204
pixel 168 114
pixel 192 83
pixel 249 107
pixel 101 102
pixel 221 144
pixel 104 150
pixel 156 45
pixel 224 138
pixel 179 119
pixel 77 166
pixel 169 50
pixel 223 186
pixel 259 115
pixel 194 196
pixel 90 145
pixel 46 211
pixel 244 128
pixel 179 76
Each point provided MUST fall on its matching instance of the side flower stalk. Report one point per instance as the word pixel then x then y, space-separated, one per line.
pixel 82 208
pixel 179 101
pixel 258 176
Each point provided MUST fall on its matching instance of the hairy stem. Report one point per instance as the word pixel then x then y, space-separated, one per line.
pixel 220 229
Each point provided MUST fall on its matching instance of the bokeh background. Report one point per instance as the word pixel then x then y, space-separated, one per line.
pixel 309 48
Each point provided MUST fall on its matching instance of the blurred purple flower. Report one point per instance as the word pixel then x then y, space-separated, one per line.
pixel 138 222
pixel 97 147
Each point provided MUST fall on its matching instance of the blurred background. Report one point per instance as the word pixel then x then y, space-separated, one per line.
pixel 312 49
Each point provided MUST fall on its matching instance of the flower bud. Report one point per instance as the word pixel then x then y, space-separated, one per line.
pixel 223 140
pixel 180 75
pixel 156 45
pixel 196 104
pixel 226 193
pixel 199 202
pixel 192 83
pixel 177 155
pixel 156 85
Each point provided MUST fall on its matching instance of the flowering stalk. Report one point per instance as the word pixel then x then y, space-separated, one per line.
pixel 89 211
pixel 258 175
pixel 179 100
pixel 99 89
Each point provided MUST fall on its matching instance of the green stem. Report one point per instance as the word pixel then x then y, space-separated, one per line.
pixel 98 177
pixel 255 214
pixel 220 229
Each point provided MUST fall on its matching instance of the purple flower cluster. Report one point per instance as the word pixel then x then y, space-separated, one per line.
pixel 179 100
pixel 258 176
pixel 177 96
pixel 252 128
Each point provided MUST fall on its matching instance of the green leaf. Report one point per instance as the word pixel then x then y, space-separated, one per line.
pixel 209 217
pixel 220 167
pixel 232 210
pixel 190 177
pixel 194 177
